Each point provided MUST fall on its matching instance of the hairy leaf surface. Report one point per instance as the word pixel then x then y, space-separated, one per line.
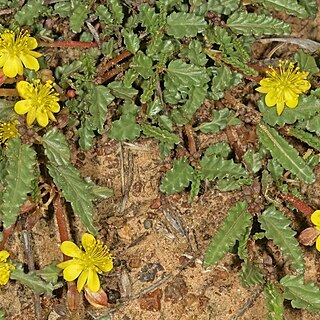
pixel 274 302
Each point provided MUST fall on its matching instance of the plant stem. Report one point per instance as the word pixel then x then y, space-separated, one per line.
pixel 71 44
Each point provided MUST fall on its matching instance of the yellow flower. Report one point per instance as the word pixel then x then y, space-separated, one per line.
pixel 315 219
pixel 15 50
pixel 4 267
pixel 41 101
pixel 86 264
pixel 8 130
pixel 284 86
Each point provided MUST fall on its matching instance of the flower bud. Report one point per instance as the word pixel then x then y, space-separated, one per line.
pixel 97 299
pixel 308 236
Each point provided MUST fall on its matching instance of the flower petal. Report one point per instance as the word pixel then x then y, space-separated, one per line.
pixel 72 272
pixel 82 279
pixel 271 99
pixel 71 249
pixel 280 107
pixel 32 43
pixel 42 118
pixel 25 89
pixel 54 107
pixel 65 264
pixel 29 61
pixel 315 218
pixel 13 66
pixel 107 265
pixel 4 255
pixel 93 281
pixel 88 240
pixel 31 116
pixel 318 243
pixel 23 106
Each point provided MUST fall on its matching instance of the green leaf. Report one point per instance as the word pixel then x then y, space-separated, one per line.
pixel 277 227
pixel 99 192
pixel 31 280
pixel 302 295
pixel 242 22
pixel 312 125
pixel 195 54
pixel 100 97
pixel 119 90
pixel 306 62
pixel 49 273
pixel 310 6
pixel 195 186
pixel 235 225
pixel 288 6
pixel 126 128
pixel 250 275
pixel 213 167
pixel 20 168
pixel 275 168
pixel 131 41
pixel 307 107
pixel 252 161
pixel 56 147
pixel 29 12
pixel 224 78
pixel 225 7
pixel 274 302
pixel 75 190
pixel 78 16
pixel 306 137
pixel 2 315
pixel 86 133
pixel 103 13
pixel 219 122
pixel 116 10
pixel 160 134
pixel 221 149
pixel 232 184
pixel 182 24
pixel 187 74
pixel 283 152
pixel 142 64
pixel 149 18
pixel 178 178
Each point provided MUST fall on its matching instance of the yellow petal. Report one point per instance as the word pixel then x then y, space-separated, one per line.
pixel 271 99
pixel 31 116
pixel 42 118
pixel 29 61
pixel 315 218
pixel 35 54
pixel 3 59
pixel 263 89
pixel 107 265
pixel 70 249
pixel 280 107
pixel 25 89
pixel 23 106
pixel 82 280
pixel 318 243
pixel 65 264
pixel 72 272
pixel 93 281
pixel 291 98
pixel 32 43
pixel 54 107
pixel 12 67
pixel 4 255
pixel 88 240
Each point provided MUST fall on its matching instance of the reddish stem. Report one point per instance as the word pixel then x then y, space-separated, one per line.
pixel 8 92
pixel 71 44
pixel 297 203
pixel 112 73
pixel 6 234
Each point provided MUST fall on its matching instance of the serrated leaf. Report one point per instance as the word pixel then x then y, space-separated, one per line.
pixel 32 281
pixel 224 78
pixel 131 41
pixel 86 133
pixel 214 167
pixel 306 137
pixel 242 22
pixel 306 62
pixel 195 186
pixel 78 16
pixel 119 90
pixel 187 74
pixel 103 13
pixel 225 7
pixel 252 161
pixel 310 6
pixel 307 107
pixel 100 98
pixel 274 302
pixel 56 147
pixel 195 54
pixel 288 6
pixel 250 275
pixel 235 225
pixel 99 192
pixel 302 295
pixel 277 227
pixel 178 178
pixel 142 64
pixel 287 156
pixel 221 149
pixel 49 273
pixel 312 125
pixel 149 18
pixel 160 134
pixel 219 122
pixel 126 128
pixel 275 168
pixel 116 10
pixel 232 184
pixel 2 315
pixel 29 12
pixel 20 169
pixel 182 24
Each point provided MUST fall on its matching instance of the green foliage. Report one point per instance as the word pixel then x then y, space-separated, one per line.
pixel 223 7
pixel 252 161
pixel 219 122
pixel 277 227
pixel 302 295
pixel 306 62
pixel 306 137
pixel 274 302
pixel 310 6
pixel 20 172
pixel 67 178
pixel 142 64
pixel 125 128
pixel 178 178
pixel 31 280
pixel 235 225
pixel 2 315
pixel 291 7
pixel 221 149
pixel 182 24
pixel 160 134
pixel 131 41
pixel 30 11
pixel 246 23
pixel 49 273
pixel 283 152
pixel 232 184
